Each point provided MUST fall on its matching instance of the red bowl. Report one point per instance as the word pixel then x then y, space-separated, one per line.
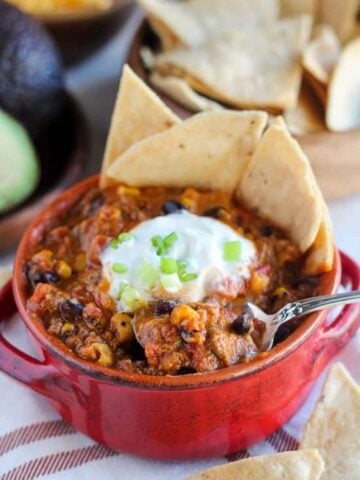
pixel 190 416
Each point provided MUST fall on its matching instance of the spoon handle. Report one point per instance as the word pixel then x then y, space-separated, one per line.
pixel 309 305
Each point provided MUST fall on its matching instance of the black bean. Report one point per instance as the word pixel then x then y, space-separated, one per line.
pixel 172 206
pixel 43 277
pixel 164 307
pixel 51 277
pixel 215 212
pixel 266 231
pixel 186 371
pixel 27 272
pixel 137 352
pixel 242 323
pixel 285 331
pixel 71 309
pixel 96 202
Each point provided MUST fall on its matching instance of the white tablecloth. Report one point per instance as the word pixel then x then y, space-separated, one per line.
pixel 34 442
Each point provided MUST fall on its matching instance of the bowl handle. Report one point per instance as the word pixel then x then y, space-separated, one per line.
pixel 37 374
pixel 334 335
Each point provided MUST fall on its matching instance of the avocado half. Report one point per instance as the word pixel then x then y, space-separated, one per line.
pixel 31 73
pixel 19 167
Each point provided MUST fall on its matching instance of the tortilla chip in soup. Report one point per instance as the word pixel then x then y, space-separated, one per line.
pixel 129 124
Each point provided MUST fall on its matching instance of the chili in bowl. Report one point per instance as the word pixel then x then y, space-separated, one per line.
pixel 154 280
pixel 133 284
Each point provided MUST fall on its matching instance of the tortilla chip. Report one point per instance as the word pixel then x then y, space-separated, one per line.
pixel 169 39
pixel 356 32
pixel 322 53
pixel 321 255
pixel 298 7
pixel 209 150
pixel 246 69
pixel 340 15
pixel 298 465
pixel 147 57
pixel 279 185
pixel 277 121
pixel 343 105
pixel 334 426
pixel 181 92
pixel 319 88
pixel 307 116
pixel 138 113
pixel 194 22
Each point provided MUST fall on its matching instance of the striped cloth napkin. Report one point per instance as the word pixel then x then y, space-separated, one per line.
pixel 35 442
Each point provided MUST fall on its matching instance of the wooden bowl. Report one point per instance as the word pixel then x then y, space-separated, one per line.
pixel 82 33
pixel 62 152
pixel 335 157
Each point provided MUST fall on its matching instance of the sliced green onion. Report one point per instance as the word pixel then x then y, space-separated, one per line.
pixel 125 236
pixel 168 265
pixel 181 266
pixel 131 297
pixel 170 239
pixel 162 245
pixel 119 268
pixel 170 283
pixel 114 244
pixel 123 286
pixel 183 275
pixel 232 251
pixel 158 243
pixel 187 277
pixel 148 274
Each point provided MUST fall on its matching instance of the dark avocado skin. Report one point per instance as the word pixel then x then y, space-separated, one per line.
pixel 31 74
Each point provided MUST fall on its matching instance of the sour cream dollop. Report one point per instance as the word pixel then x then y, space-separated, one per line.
pixel 181 256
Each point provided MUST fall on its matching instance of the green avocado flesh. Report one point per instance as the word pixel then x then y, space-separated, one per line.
pixel 19 168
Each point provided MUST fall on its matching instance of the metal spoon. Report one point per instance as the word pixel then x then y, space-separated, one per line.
pixel 297 309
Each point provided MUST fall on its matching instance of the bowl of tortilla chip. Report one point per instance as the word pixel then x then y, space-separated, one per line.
pixel 279 56
pixel 150 367
pixel 80 27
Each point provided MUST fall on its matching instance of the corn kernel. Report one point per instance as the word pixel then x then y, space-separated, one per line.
pixel 44 255
pixel 181 313
pixel 259 282
pixel 104 285
pixel 191 322
pixel 80 262
pixel 104 354
pixel 121 324
pixel 63 269
pixel 188 202
pixel 67 328
pixel 280 292
pixel 131 191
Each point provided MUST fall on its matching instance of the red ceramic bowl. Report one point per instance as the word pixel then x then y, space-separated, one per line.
pixel 190 416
